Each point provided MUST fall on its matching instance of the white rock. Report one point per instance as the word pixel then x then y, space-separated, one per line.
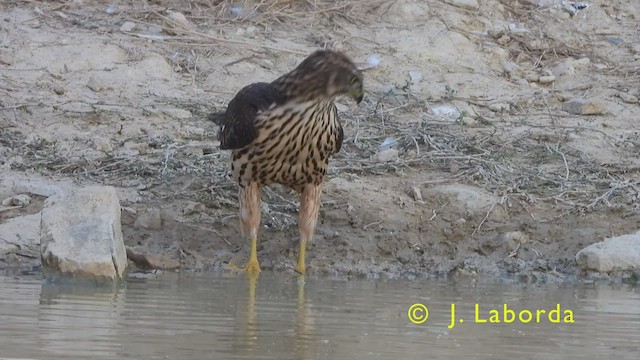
pixel 464 4
pixel 415 76
pixel 80 235
pixel 612 254
pixel 499 107
pixel 628 98
pixel 469 121
pixel 18 200
pixel 546 79
pixel 386 155
pixel 178 18
pixel 95 84
pixel 128 26
pixel 563 68
pixel 177 113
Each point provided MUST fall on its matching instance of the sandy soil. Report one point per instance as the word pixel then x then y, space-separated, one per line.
pixel 493 174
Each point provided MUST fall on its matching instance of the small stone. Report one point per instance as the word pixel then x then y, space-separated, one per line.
pixel 415 193
pixel 177 18
pixel 628 98
pixel 612 254
pixel 464 4
pixel 57 89
pixel 583 107
pixel 150 220
pixel 563 68
pixel 532 77
pixel 147 261
pixel 18 200
pixel 510 67
pixel 469 121
pixel 128 26
pixel 177 113
pixel 102 144
pixel 415 76
pixel 546 79
pixel 504 40
pixel 517 237
pixel 499 107
pixel 581 63
pixel 193 207
pixel 95 84
pixel 460 222
pixel 386 155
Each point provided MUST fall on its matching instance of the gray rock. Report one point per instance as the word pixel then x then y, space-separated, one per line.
pixel 612 254
pixel 18 200
pixel 499 107
pixel 464 4
pixel 386 155
pixel 415 193
pixel 95 84
pixel 80 235
pixel 628 98
pixel 583 107
pixel 128 26
pixel 150 220
pixel 546 79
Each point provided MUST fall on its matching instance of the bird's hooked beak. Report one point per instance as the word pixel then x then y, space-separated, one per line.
pixel 357 93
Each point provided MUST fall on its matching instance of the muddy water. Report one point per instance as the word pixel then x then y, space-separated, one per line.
pixel 209 316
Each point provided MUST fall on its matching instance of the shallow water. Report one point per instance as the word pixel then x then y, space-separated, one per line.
pixel 214 316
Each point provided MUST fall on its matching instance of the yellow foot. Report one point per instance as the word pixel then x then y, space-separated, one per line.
pixel 301 269
pixel 253 267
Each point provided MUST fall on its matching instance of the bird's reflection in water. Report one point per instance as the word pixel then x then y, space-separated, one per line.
pixel 258 336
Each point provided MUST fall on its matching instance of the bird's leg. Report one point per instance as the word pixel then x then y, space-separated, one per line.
pixel 309 206
pixel 250 221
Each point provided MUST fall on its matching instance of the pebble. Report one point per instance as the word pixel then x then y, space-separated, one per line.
pixel 583 107
pixel 546 79
pixel 469 121
pixel 415 193
pixel 628 98
pixel 510 67
pixel 386 155
pixel 57 89
pixel 95 84
pixel 464 4
pixel 532 77
pixel 128 26
pixel 504 40
pixel 499 107
pixel 18 200
pixel 177 113
pixel 178 18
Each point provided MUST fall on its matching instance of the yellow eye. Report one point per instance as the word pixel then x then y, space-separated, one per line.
pixel 354 79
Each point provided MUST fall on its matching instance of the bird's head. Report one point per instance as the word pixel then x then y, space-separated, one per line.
pixel 325 74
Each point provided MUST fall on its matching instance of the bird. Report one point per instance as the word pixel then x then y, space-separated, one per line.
pixel 284 132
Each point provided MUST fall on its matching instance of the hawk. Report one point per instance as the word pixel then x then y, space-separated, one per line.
pixel 284 132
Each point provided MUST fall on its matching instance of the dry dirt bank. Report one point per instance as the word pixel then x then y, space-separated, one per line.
pixel 495 171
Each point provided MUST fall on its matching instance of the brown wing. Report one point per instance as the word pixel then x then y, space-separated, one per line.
pixel 339 138
pixel 237 125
